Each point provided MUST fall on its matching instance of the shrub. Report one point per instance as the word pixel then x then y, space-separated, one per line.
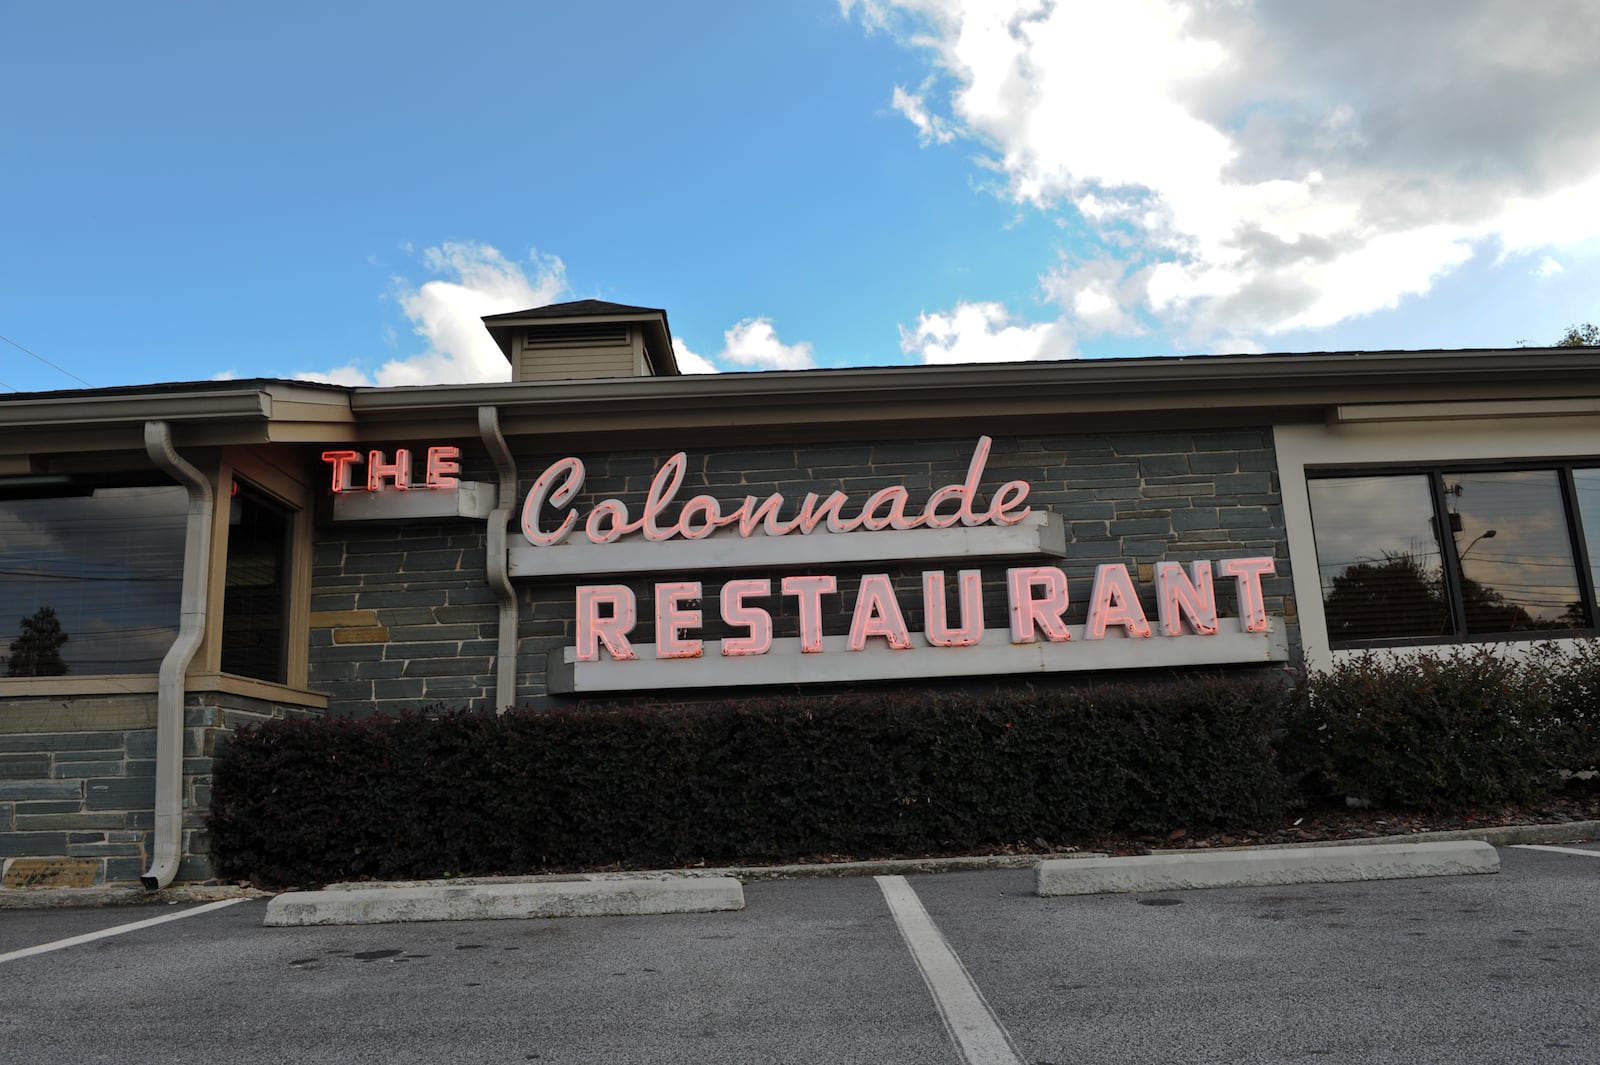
pixel 759 779
pixel 1441 731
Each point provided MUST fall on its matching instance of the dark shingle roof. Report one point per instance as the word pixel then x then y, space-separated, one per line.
pixel 575 309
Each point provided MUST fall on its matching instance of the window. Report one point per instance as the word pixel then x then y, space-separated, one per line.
pixel 1455 553
pixel 91 575
pixel 255 604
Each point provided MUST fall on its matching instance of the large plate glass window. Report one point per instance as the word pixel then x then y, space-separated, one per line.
pixel 1378 558
pixel 1514 549
pixel 1447 554
pixel 91 575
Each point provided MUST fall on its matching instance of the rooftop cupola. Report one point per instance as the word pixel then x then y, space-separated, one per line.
pixel 584 339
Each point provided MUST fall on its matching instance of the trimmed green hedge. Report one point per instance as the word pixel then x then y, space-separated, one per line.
pixel 766 779
pixel 875 774
pixel 1447 731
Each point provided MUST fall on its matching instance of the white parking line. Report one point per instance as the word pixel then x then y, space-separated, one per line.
pixel 1558 850
pixel 972 1025
pixel 90 937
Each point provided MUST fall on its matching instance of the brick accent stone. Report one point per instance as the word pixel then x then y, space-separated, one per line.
pixel 365 634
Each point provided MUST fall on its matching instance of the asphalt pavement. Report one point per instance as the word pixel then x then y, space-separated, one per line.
pixel 949 967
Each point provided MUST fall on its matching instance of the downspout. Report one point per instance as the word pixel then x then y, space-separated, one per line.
pixel 505 666
pixel 168 847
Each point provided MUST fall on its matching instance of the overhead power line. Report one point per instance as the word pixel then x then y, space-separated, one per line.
pixel 46 361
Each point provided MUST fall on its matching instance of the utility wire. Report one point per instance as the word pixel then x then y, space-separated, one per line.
pixel 46 361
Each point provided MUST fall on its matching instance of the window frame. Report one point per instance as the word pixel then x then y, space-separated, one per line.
pixel 1436 472
pixel 289 488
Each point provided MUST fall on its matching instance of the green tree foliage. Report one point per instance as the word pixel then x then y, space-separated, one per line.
pixel 36 652
pixel 1586 335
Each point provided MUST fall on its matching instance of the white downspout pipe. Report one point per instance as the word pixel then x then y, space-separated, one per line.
pixel 505 663
pixel 168 848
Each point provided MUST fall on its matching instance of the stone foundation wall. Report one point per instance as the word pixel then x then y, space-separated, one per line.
pixel 77 784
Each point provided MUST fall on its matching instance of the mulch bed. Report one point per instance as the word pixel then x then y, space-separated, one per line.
pixel 1315 825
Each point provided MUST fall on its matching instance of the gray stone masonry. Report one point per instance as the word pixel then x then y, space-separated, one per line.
pixel 88 795
pixel 402 617
pixel 404 620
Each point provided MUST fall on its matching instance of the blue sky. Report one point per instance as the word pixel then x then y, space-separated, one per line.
pixel 339 190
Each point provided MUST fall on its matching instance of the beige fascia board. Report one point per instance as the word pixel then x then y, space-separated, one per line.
pixel 65 409
pixel 276 412
pixel 1411 412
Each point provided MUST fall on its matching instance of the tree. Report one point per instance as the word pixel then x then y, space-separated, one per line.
pixel 1586 335
pixel 36 652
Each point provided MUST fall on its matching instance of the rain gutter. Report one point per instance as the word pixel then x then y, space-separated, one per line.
pixel 167 850
pixel 505 668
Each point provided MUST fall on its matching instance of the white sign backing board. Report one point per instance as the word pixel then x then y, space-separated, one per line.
pixel 994 655
pixel 1039 534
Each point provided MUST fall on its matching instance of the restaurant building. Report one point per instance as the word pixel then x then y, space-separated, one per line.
pixel 180 559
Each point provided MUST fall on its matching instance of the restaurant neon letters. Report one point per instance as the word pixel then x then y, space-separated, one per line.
pixel 1037 598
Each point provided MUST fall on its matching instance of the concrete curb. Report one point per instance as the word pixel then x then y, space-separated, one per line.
pixel 1260 868
pixel 487 902
pixel 1502 836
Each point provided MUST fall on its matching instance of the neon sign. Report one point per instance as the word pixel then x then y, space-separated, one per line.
pixel 702 515
pixel 441 469
pixel 1037 598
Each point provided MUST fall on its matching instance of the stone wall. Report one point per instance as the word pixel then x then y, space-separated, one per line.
pixel 404 618
pixel 77 784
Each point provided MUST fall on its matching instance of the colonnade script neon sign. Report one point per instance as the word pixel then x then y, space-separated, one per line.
pixel 702 515
pixel 953 523
pixel 1037 595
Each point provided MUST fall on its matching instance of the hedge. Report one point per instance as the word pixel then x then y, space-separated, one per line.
pixel 759 780
pixel 1447 731
pixel 874 773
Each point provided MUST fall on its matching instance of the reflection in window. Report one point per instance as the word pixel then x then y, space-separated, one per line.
pixel 255 604
pixel 1378 558
pixel 95 575
pixel 1517 569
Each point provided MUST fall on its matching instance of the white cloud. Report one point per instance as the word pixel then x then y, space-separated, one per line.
pixel 932 127
pixel 753 344
pixel 1252 168
pixel 447 311
pixel 983 332
pixel 477 280
pixel 350 376
pixel 1098 296
pixel 688 361
pixel 1548 267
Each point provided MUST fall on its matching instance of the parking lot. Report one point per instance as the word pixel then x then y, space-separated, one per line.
pixel 1496 968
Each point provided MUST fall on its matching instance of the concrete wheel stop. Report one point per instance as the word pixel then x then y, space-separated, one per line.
pixel 552 897
pixel 1259 868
